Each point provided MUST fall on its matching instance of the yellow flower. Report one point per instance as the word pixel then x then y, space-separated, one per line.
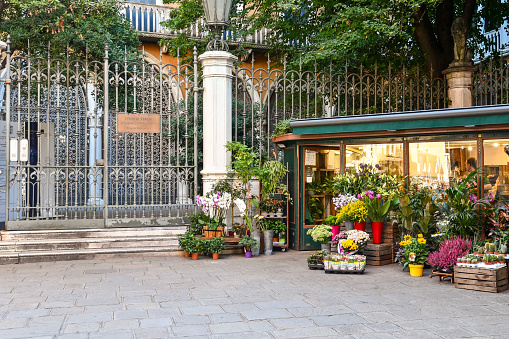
pixel 407 237
pixel 422 241
pixel 402 243
pixel 419 235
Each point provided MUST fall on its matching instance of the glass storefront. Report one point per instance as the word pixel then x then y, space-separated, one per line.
pixel 496 168
pixel 388 156
pixel 320 165
pixel 439 163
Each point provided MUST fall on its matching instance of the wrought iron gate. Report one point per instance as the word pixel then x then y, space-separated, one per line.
pixel 98 144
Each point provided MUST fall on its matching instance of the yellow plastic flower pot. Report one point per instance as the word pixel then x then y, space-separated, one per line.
pixel 416 270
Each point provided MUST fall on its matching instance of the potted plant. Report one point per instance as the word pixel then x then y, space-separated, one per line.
pixel 185 240
pixel 195 247
pixel 377 210
pixel 271 175
pixel 340 202
pixel 315 261
pixel 449 250
pixel 334 222
pixel 359 214
pixel 214 205
pixel 249 244
pixel 238 229
pixel 415 255
pixel 216 246
pixel 267 228
pixel 280 228
pixel 351 242
pixel 321 234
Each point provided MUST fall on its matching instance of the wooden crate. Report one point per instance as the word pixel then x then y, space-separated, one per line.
pixel 379 254
pixel 481 279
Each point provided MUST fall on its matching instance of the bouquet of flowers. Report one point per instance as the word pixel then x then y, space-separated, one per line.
pixel 215 205
pixel 342 200
pixel 351 242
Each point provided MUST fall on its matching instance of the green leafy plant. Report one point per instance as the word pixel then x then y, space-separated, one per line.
pixel 249 243
pixel 376 207
pixel 216 245
pixel 332 220
pixel 316 208
pixel 185 242
pixel 282 127
pixel 271 174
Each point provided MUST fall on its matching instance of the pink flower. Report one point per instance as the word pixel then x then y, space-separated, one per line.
pixel 378 196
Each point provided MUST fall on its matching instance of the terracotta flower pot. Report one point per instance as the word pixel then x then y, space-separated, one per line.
pixel 195 256
pixel 187 254
pixel 215 256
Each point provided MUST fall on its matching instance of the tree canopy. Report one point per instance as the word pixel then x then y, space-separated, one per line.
pixel 407 32
pixel 83 25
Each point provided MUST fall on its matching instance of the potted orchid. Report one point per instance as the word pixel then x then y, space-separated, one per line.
pixel 215 206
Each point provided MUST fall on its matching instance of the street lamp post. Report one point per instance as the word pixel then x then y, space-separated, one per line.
pixel 217 14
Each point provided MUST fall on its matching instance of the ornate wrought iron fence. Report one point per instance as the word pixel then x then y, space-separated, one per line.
pixel 263 96
pixel 106 143
pixel 490 84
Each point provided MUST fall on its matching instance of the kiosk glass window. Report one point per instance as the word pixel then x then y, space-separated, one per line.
pixel 439 163
pixel 388 156
pixel 496 168
pixel 320 165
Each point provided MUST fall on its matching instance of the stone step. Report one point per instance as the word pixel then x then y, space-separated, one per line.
pixel 9 257
pixel 84 243
pixel 91 233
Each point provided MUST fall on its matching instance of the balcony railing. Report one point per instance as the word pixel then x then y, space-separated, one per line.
pixel 147 19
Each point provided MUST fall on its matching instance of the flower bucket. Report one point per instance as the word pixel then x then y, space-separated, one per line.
pixel 360 226
pixel 248 254
pixel 335 231
pixel 377 232
pixel 215 256
pixel 195 256
pixel 348 225
pixel 416 270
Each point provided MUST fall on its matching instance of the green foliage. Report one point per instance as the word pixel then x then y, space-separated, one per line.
pixel 186 242
pixel 332 220
pixel 85 26
pixel 215 245
pixel 249 243
pixel 198 220
pixel 245 163
pixel 404 32
pixel 458 210
pixel 417 212
pixel 282 127
pixel 271 175
pixel 316 209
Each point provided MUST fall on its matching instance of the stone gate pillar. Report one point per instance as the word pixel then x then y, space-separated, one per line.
pixel 459 83
pixel 217 115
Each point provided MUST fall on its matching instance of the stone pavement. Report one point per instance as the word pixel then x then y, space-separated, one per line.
pixel 265 297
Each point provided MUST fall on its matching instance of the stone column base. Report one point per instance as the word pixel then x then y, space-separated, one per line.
pixel 459 83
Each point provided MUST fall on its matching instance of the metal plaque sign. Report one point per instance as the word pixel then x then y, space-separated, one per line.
pixel 138 123
pixel 23 150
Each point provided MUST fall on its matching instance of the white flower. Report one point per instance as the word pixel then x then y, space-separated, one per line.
pixel 241 205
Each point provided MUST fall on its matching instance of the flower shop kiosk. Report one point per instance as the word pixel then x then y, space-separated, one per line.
pixel 434 146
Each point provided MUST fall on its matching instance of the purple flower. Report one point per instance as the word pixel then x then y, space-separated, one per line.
pixel 472 198
pixel 378 196
pixel 359 196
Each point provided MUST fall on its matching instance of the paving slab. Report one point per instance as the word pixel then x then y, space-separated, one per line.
pixel 163 297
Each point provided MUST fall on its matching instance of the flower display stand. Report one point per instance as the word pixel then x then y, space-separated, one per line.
pixel 442 276
pixel 379 254
pixel 481 279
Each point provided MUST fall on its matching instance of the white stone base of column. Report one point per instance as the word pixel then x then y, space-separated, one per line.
pixel 459 82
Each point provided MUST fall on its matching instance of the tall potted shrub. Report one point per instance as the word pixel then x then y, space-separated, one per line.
pixel 216 246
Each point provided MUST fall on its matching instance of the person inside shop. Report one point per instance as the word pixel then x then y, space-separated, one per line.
pixel 471 165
